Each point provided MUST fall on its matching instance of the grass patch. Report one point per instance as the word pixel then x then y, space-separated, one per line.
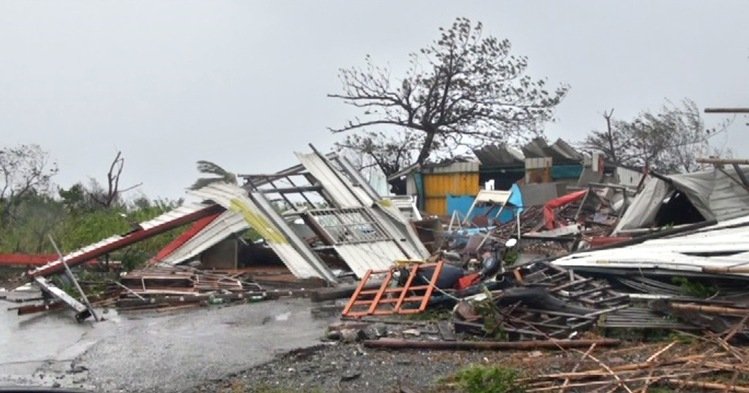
pixel 488 379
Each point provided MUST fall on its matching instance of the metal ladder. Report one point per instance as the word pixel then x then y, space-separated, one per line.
pixel 389 299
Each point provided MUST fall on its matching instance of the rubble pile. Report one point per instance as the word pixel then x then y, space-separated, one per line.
pixel 160 287
pixel 590 267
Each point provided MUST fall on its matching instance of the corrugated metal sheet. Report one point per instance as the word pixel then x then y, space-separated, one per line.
pixel 341 190
pixel 455 167
pixel 263 218
pixel 171 218
pixel 172 215
pixel 438 186
pixel 364 256
pixel 729 198
pixel 493 196
pixel 401 231
pixel 406 205
pixel 712 247
pixel 167 217
pixel 717 194
pixel 225 225
pixel 499 156
pixel 359 179
pixel 50 288
pixel 538 163
pixel 628 177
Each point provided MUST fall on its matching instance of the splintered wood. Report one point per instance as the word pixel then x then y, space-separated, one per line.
pixel 179 287
pixel 707 364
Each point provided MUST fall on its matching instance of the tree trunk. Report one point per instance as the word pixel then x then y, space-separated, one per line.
pixel 426 148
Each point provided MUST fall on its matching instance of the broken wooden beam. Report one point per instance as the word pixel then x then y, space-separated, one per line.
pixel 392 343
pixel 682 383
pixel 707 309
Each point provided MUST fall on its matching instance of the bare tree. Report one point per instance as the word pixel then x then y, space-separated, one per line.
pixel 109 196
pixel 390 153
pixel 24 170
pixel 463 89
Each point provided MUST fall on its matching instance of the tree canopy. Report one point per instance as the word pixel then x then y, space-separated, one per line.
pixel 668 140
pixel 24 170
pixel 461 90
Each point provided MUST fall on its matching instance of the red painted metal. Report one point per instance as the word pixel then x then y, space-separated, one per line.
pixel 185 236
pixel 606 240
pixel 128 239
pixel 549 218
pixel 17 259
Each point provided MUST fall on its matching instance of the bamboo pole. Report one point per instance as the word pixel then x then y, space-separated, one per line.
pixel 732 311
pixel 706 385
pixel 651 359
pixel 625 368
pixel 618 380
pixel 577 365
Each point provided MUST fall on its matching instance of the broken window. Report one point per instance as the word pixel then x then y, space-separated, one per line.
pixel 345 226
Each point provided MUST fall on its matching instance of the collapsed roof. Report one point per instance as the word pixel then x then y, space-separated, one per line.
pixel 715 195
pixel 324 223
pixel 722 248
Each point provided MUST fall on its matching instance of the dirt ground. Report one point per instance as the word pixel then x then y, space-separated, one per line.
pixel 353 368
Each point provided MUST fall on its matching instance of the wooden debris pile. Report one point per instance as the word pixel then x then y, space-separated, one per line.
pixel 548 302
pixel 708 364
pixel 169 287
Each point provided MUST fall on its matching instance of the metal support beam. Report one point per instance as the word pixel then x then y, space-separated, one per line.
pixel 726 110
pixel 132 237
pixel 741 174
pixel 722 161
pixel 291 190
pixel 75 282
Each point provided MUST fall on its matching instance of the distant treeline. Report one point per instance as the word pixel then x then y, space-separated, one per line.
pixel 32 208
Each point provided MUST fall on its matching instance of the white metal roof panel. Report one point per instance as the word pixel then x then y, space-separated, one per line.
pixel 225 225
pixel 493 196
pixel 718 246
pixel 172 215
pixel 263 218
pixel 364 256
pixel 340 189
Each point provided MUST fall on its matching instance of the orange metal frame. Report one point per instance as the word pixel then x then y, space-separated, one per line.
pixel 388 299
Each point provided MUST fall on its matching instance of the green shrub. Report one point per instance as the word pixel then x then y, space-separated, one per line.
pixel 694 288
pixel 489 379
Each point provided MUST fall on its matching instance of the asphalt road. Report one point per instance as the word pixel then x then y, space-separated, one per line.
pixel 150 352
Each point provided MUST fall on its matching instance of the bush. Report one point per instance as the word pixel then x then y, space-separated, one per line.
pixel 489 379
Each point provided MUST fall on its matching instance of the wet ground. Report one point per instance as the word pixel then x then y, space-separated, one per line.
pixel 150 352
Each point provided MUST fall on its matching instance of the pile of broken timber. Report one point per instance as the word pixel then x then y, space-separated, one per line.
pixel 170 287
pixel 710 364
pixel 547 303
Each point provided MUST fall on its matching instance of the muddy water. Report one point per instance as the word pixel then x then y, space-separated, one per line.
pixel 141 352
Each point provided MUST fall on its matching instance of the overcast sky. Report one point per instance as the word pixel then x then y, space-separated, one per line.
pixel 244 83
